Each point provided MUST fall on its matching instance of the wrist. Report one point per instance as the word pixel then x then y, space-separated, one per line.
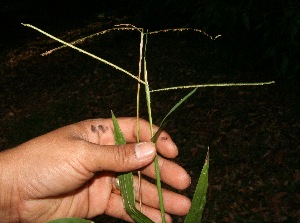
pixel 8 191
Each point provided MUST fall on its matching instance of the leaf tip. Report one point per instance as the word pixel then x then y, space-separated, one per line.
pixel 207 156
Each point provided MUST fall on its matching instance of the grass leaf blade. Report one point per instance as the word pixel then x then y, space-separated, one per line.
pixel 199 199
pixel 120 140
pixel 126 182
pixel 178 104
pixel 155 137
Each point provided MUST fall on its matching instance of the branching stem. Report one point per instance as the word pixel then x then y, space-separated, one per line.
pixel 85 52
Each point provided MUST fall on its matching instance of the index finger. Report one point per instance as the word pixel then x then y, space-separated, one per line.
pixel 164 144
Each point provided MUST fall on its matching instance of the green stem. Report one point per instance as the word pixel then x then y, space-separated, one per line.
pixel 138 112
pixel 157 171
pixel 214 85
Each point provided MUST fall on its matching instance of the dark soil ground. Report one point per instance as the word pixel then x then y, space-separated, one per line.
pixel 252 132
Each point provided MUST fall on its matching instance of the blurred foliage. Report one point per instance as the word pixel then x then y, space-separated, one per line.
pixel 258 35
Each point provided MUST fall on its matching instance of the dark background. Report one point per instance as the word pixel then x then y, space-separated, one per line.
pixel 252 132
pixel 256 35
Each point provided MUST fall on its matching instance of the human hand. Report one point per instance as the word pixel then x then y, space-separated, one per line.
pixel 69 173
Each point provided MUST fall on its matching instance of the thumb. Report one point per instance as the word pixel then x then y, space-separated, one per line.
pixel 119 158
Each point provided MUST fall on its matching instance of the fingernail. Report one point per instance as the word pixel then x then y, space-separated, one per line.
pixel 144 150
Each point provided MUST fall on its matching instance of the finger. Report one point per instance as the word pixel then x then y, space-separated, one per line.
pixel 165 145
pixel 174 203
pixel 170 172
pixel 100 131
pixel 115 208
pixel 99 193
pixel 117 158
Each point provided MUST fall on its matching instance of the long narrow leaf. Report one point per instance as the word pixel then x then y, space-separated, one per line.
pixel 199 199
pixel 155 137
pixel 126 182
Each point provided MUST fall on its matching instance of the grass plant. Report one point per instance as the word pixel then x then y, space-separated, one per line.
pixel 126 180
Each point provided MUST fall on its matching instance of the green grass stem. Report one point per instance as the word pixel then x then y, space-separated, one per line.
pixel 157 171
pixel 213 85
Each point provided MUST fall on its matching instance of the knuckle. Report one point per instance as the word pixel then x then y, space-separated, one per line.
pixel 122 155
